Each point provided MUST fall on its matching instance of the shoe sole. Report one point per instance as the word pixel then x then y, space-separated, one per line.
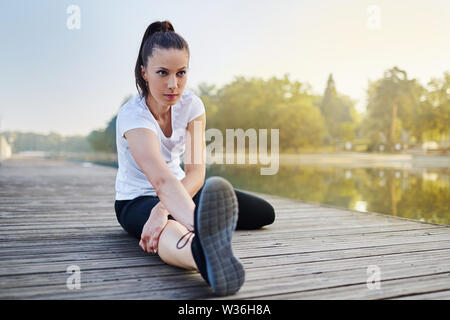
pixel 216 221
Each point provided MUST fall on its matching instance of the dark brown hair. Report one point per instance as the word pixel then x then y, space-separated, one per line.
pixel 159 34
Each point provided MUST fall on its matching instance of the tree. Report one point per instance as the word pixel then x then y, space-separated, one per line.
pixel 266 104
pixel 393 102
pixel 436 108
pixel 207 94
pixel 338 112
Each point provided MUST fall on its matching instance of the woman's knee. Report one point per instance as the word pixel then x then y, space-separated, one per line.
pixel 254 212
pixel 269 214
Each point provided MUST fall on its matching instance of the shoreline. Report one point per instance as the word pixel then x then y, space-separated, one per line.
pixel 350 159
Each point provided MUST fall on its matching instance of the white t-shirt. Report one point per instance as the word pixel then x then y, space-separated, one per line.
pixel 131 181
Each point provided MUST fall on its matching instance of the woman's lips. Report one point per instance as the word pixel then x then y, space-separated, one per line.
pixel 171 96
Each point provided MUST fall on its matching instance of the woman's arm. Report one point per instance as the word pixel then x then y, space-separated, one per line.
pixel 145 149
pixel 195 165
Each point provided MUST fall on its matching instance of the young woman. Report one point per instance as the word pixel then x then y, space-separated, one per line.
pixel 177 214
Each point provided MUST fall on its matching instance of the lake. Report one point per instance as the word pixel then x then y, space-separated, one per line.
pixel 405 186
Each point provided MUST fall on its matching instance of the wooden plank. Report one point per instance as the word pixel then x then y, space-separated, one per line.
pixel 249 249
pixel 252 288
pixel 433 295
pixel 120 251
pixel 424 287
pixel 411 273
pixel 239 236
pixel 101 270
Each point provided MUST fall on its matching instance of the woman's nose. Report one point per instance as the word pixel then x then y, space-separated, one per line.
pixel 172 82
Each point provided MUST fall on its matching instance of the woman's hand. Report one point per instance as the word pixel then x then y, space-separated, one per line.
pixel 153 227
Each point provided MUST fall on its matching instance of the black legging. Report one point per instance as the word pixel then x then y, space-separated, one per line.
pixel 254 212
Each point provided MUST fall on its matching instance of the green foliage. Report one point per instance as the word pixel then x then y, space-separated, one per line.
pixel 266 104
pixel 104 140
pixel 53 142
pixel 339 114
pixel 401 110
pixel 435 111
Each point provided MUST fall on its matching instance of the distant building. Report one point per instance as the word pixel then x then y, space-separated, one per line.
pixel 5 149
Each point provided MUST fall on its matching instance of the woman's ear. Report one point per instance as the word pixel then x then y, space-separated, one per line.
pixel 143 73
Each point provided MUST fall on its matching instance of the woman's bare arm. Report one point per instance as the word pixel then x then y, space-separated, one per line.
pixel 195 143
pixel 145 149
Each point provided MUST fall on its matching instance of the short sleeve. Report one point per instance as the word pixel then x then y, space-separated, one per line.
pixel 128 120
pixel 197 108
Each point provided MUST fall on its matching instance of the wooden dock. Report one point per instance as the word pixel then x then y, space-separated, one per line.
pixel 55 214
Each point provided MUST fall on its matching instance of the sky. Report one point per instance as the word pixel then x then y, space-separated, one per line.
pixel 72 80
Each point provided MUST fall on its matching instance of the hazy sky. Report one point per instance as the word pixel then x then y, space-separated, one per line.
pixel 72 81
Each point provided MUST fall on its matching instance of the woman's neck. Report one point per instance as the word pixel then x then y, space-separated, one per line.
pixel 160 112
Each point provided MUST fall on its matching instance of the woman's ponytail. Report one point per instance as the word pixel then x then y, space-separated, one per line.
pixel 159 34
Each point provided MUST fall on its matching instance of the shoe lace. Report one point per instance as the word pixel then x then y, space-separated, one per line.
pixel 190 234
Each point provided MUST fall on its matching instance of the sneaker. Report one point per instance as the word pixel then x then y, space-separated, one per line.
pixel 215 220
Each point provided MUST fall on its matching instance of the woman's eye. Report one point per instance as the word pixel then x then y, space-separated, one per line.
pixel 180 73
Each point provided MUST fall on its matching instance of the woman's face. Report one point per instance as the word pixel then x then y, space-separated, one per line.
pixel 166 74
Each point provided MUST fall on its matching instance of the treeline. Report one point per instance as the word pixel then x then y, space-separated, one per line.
pixel 53 142
pixel 400 113
pixel 303 119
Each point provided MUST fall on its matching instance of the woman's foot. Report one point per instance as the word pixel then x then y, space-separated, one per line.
pixel 215 220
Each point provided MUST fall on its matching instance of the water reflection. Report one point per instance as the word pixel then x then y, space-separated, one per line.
pixel 415 193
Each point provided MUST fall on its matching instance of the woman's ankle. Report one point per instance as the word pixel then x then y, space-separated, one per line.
pixel 199 257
